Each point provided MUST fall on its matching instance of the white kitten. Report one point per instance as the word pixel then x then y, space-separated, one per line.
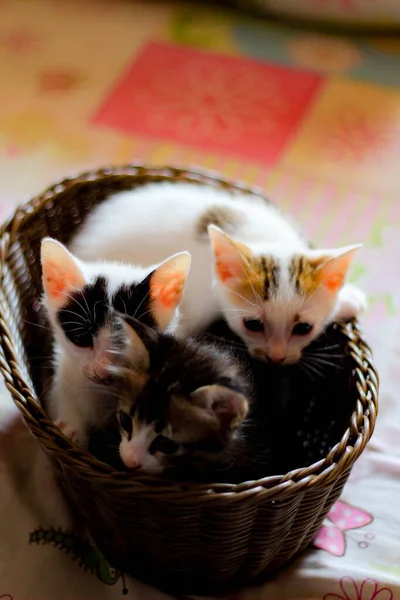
pixel 275 292
pixel 80 299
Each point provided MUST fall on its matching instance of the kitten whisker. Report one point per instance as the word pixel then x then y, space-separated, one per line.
pixel 87 306
pixel 74 323
pixel 323 362
pixel 256 294
pixel 305 370
pixel 241 310
pixel 325 355
pixel 311 366
pixel 76 301
pixel 151 310
pixel 36 325
pixel 72 312
pixel 94 308
pixel 332 347
pixel 126 310
pixel 245 299
pixel 140 304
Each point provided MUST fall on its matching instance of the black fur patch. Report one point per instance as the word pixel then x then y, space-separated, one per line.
pixel 134 300
pixel 85 313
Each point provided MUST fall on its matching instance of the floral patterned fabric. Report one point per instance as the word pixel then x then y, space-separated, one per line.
pixel 314 120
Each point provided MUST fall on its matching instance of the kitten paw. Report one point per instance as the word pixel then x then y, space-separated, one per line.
pixel 67 430
pixel 352 302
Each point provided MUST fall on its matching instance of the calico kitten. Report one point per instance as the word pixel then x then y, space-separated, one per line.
pixel 249 263
pixel 80 299
pixel 181 404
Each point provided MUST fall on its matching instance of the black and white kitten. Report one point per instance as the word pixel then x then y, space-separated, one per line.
pixel 79 299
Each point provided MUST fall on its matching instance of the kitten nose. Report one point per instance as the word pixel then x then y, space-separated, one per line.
pixel 131 462
pixel 276 358
pixel 130 456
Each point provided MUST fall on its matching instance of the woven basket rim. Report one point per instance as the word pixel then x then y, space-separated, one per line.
pixel 324 472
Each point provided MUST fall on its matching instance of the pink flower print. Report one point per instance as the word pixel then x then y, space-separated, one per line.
pixel 6 597
pixel 19 41
pixel 59 80
pixel 368 590
pixel 353 137
pixel 341 518
pixel 212 102
pixel 208 110
pixel 12 151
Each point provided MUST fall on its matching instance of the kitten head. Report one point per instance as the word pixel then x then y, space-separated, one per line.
pixel 80 297
pixel 278 302
pixel 181 403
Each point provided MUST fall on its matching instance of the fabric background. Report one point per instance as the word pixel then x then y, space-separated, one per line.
pixel 312 119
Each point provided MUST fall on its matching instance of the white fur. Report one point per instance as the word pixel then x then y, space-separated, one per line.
pixel 152 222
pixel 135 453
pixel 75 401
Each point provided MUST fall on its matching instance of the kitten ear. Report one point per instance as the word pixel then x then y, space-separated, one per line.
pixel 333 270
pixel 227 405
pixel 131 349
pixel 231 258
pixel 61 272
pixel 167 283
pixel 137 352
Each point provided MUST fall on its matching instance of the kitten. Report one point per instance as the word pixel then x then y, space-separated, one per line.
pixel 80 299
pixel 181 403
pixel 249 263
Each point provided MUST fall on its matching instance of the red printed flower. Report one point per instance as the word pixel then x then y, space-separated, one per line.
pixel 218 103
pixel 355 138
pixel 19 41
pixel 368 590
pixel 58 80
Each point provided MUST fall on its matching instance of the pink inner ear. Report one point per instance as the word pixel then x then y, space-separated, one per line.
pixel 57 281
pixel 224 269
pixel 229 266
pixel 228 410
pixel 169 294
pixel 226 415
pixel 334 281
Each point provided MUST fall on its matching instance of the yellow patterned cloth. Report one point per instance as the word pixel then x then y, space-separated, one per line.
pixel 311 118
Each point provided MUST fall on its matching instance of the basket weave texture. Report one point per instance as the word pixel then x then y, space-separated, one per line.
pixel 196 538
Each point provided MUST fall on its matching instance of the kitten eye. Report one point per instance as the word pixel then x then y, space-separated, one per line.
pixel 164 445
pixel 302 329
pixel 254 325
pixel 125 421
pixel 82 340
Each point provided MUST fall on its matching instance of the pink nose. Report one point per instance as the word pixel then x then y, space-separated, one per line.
pixel 131 462
pixel 130 457
pixel 276 358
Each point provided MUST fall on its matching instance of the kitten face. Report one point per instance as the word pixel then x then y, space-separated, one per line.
pixel 80 298
pixel 181 404
pixel 278 303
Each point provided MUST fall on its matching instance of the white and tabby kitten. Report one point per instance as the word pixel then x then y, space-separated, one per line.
pixel 80 299
pixel 249 263
pixel 181 403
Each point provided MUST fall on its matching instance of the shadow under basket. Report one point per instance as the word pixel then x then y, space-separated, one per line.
pixel 199 538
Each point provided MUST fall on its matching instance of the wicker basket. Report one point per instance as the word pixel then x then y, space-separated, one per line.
pixel 183 538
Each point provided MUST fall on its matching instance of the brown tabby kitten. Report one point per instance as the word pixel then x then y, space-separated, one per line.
pixel 181 405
